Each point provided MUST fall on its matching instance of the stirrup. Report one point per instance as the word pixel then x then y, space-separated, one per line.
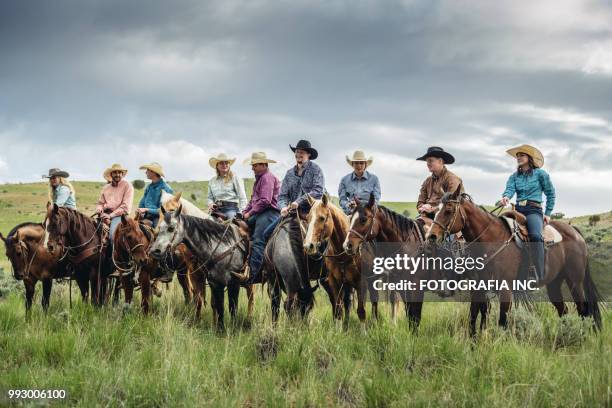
pixel 245 276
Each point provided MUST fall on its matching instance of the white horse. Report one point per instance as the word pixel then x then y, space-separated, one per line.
pixel 188 207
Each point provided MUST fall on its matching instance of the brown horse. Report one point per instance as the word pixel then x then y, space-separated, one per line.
pixel 77 238
pixel 31 262
pixel 372 223
pixel 328 226
pixel 567 261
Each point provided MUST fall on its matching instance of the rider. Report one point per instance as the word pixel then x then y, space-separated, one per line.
pixel 529 181
pixel 116 197
pixel 61 191
pixel 441 180
pixel 359 183
pixel 261 211
pixel 225 190
pixel 149 205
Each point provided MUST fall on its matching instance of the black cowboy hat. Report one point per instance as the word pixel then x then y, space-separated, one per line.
pixel 56 173
pixel 305 145
pixel 439 152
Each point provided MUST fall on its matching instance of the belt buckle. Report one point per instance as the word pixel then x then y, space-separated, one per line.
pixel 522 203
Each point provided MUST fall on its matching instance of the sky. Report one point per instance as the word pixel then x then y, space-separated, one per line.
pixel 84 84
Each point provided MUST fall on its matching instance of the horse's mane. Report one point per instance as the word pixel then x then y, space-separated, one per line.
pixel 404 225
pixel 292 225
pixel 82 222
pixel 207 228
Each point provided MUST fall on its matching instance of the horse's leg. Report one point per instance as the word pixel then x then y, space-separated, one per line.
pixel 83 287
pixel 183 279
pixel 116 290
pixel 553 289
pixel 251 301
pixel 484 309
pixel 394 302
pixel 275 297
pixel 415 308
pixel 346 300
pixel 476 307
pixel 30 287
pixel 233 291
pixel 95 290
pixel 197 290
pixel 128 288
pixel 46 284
pixel 577 291
pixel 334 297
pixel 505 304
pixel 218 295
pixel 361 313
pixel 290 303
pixel 144 279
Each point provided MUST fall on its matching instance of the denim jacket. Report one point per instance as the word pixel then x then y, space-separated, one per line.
pixel 152 196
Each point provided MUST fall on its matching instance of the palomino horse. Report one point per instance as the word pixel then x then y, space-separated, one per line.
pixel 371 224
pixel 566 261
pixel 31 262
pixel 220 248
pixel 188 272
pixel 328 226
pixel 76 237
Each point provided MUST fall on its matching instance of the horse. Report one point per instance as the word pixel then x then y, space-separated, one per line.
pixel 31 262
pixel 328 227
pixel 76 237
pixel 220 249
pixel 371 224
pixel 567 260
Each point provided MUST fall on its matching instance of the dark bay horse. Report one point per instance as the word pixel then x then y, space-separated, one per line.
pixel 567 261
pixel 31 262
pixel 220 249
pixel 328 227
pixel 77 238
pixel 371 224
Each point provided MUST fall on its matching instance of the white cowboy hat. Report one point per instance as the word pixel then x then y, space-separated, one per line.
pixel 114 167
pixel 221 157
pixel 258 157
pixel 536 155
pixel 359 156
pixel 154 167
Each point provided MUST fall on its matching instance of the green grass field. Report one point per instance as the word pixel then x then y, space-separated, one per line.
pixel 118 357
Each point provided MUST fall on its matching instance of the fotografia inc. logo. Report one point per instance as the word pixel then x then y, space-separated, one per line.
pixel 411 264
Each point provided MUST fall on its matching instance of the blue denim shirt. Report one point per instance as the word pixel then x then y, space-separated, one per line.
pixel 63 197
pixel 152 196
pixel 352 187
pixel 296 188
pixel 530 185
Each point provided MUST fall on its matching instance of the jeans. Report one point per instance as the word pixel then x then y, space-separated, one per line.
pixel 229 212
pixel 154 218
pixel 535 224
pixel 258 224
pixel 113 226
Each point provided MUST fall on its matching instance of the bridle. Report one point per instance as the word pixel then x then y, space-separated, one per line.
pixel 456 211
pixel 67 248
pixel 130 252
pixel 369 236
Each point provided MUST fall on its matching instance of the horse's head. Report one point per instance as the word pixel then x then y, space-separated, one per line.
pixel 131 240
pixel 174 203
pixel 57 226
pixel 17 253
pixel 364 226
pixel 450 218
pixel 320 224
pixel 170 233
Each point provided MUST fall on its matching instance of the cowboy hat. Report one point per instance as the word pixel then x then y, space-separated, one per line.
pixel 56 173
pixel 114 167
pixel 536 155
pixel 435 151
pixel 305 145
pixel 258 157
pixel 221 157
pixel 154 167
pixel 359 156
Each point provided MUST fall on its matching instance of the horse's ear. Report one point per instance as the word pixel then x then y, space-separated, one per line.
pixel 179 209
pixel 55 208
pixel 163 210
pixel 371 201
pixel 311 200
pixel 2 238
pixel 178 196
pixel 123 219
pixel 457 192
pixel 325 200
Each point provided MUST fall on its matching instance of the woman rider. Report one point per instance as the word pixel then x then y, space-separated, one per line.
pixel 61 191
pixel 529 182
pixel 226 194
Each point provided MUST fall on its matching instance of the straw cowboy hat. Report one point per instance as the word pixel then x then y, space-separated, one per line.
pixel 56 173
pixel 359 156
pixel 154 167
pixel 114 167
pixel 258 157
pixel 536 155
pixel 221 157
pixel 305 145
pixel 435 151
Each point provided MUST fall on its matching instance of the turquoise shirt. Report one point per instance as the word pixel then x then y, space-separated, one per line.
pixel 530 186
pixel 63 197
pixel 152 196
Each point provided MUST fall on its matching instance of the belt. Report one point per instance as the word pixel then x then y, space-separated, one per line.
pixel 226 204
pixel 529 203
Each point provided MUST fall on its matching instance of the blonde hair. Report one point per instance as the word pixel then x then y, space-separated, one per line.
pixel 62 182
pixel 228 177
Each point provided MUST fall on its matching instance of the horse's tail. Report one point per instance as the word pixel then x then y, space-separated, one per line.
pixel 591 293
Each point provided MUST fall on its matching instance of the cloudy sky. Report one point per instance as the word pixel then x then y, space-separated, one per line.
pixel 84 84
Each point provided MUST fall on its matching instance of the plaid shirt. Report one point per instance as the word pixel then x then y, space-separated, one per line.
pixel 296 188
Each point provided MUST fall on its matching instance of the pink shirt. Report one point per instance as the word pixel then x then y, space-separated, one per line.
pixel 116 198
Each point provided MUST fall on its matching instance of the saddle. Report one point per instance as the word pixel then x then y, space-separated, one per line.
pixel 517 223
